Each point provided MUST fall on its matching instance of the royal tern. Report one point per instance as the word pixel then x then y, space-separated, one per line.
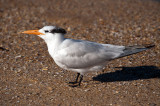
pixel 81 56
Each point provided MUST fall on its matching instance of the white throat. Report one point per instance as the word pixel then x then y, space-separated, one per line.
pixel 53 41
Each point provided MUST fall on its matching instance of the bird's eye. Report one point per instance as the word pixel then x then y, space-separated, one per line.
pixel 46 31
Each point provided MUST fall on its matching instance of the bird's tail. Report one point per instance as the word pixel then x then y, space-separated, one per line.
pixel 129 50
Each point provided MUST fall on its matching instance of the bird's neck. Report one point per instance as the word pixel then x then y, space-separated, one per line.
pixel 54 42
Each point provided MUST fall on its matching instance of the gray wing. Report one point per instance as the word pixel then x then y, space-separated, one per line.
pixel 129 50
pixel 85 54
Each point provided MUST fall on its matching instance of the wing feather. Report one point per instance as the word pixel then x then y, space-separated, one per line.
pixel 84 54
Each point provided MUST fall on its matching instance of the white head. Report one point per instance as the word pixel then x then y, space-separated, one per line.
pixel 47 32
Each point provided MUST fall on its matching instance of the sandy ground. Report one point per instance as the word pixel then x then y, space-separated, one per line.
pixel 29 76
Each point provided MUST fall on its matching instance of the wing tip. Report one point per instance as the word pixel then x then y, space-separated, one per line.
pixel 149 46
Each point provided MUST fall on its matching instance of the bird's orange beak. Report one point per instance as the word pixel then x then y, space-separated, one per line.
pixel 35 32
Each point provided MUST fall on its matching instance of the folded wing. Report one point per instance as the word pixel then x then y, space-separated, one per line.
pixel 79 54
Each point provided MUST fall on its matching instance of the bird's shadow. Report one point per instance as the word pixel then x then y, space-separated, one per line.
pixel 129 74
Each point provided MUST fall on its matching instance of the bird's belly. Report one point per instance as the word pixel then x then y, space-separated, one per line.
pixel 86 70
pixel 81 70
pixel 61 65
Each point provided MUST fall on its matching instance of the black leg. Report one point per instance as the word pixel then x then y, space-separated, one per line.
pixel 77 77
pixel 79 83
pixel 81 78
pixel 78 74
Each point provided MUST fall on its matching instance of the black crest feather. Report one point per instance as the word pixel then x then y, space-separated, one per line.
pixel 59 30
